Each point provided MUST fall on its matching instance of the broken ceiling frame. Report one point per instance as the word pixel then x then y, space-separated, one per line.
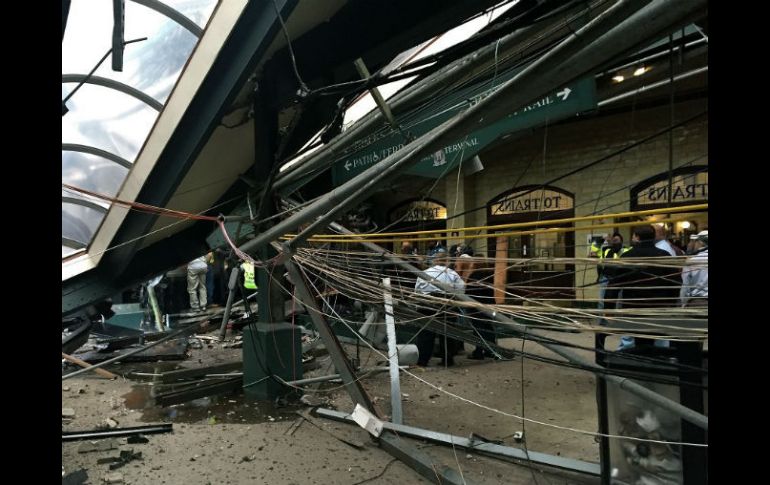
pixel 519 43
pixel 619 29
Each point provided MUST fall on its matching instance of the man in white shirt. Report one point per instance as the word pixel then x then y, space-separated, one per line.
pixel 660 239
pixel 441 272
pixel 695 276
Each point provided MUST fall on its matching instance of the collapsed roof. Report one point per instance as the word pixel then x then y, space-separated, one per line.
pixel 225 100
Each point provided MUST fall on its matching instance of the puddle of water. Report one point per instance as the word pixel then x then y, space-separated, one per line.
pixel 223 408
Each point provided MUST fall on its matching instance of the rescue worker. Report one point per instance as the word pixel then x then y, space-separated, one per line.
pixel 613 251
pixel 196 283
pixel 605 273
pixel 249 285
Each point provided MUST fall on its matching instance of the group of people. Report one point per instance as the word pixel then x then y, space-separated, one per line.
pixel 647 286
pixel 207 278
pixel 458 270
pixel 628 286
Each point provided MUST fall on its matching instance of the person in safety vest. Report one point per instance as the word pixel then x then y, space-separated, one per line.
pixel 248 276
pixel 606 273
pixel 595 250
pixel 248 285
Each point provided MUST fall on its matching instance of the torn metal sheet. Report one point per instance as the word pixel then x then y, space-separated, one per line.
pixel 367 420
pixel 125 457
pixel 171 350
pixel 98 445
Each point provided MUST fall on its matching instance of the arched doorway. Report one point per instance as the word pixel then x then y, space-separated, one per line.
pixel 418 215
pixel 546 279
pixel 689 186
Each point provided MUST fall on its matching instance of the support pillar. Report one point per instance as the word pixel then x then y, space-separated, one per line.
pixel 270 349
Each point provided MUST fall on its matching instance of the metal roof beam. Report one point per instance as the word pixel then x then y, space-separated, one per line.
pixel 74 147
pixel 71 243
pixel 522 40
pixel 84 203
pixel 173 14
pixel 116 85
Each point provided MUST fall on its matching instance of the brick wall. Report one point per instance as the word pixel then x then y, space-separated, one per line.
pixel 546 153
pixel 559 149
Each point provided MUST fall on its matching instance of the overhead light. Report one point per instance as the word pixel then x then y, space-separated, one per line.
pixel 472 166
pixel 641 70
pixel 618 78
pixel 686 225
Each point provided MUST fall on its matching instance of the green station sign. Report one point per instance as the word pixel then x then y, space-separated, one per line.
pixel 571 99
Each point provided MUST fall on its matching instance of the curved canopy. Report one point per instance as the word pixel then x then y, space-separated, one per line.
pixel 111 114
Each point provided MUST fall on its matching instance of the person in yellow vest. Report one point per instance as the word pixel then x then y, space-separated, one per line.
pixel 605 273
pixel 249 285
pixel 595 250
pixel 248 276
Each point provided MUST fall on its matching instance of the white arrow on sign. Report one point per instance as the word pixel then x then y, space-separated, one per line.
pixel 347 165
pixel 564 93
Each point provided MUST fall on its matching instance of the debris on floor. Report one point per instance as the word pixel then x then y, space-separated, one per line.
pixel 114 477
pixel 176 349
pixel 78 477
pixel 98 445
pixel 125 456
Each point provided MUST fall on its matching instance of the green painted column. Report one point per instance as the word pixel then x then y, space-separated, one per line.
pixel 267 350
pixel 271 346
